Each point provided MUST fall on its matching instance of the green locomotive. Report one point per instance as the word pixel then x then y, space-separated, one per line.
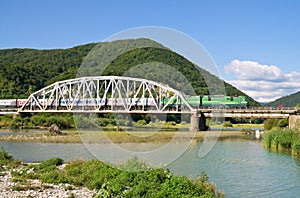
pixel 212 101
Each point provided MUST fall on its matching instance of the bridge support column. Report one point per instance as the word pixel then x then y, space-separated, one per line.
pixel 292 121
pixel 194 123
pixel 198 122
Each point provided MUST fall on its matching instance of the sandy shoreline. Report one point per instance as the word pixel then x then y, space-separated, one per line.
pixel 120 137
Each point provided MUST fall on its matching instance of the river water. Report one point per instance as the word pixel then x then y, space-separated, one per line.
pixel 240 168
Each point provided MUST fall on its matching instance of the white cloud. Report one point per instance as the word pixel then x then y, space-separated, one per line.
pixel 250 70
pixel 262 82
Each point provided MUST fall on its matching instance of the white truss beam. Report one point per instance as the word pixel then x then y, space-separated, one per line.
pixel 103 94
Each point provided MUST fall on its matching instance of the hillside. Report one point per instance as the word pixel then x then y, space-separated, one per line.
pixel 23 71
pixel 287 101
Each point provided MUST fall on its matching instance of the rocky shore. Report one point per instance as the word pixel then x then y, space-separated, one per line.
pixel 34 188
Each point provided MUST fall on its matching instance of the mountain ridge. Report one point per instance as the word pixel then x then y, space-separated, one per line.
pixel 288 101
pixel 23 71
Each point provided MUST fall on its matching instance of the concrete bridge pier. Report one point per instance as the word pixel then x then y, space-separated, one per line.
pixel 194 124
pixel 292 121
pixel 198 122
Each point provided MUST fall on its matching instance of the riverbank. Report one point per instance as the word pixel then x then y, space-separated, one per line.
pixel 118 136
pixel 10 188
pixel 93 178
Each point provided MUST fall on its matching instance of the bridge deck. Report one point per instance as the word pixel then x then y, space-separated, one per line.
pixel 6 111
pixel 249 112
pixel 212 112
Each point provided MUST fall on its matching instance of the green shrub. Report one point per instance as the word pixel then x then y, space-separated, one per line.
pixel 24 188
pixel 227 124
pixel 62 122
pixel 107 122
pixel 270 123
pixel 134 165
pixel 141 123
pixel 296 148
pixel 53 177
pixel 180 186
pixel 279 138
pixel 286 138
pixel 134 179
pixel 49 165
pixel 274 123
pixel 283 123
pixel 5 157
pixel 124 122
pixel 172 123
pixel 7 160
pixel 85 122
pixel 38 120
pixel 267 139
pixel 18 188
pixel 16 123
pixel 53 161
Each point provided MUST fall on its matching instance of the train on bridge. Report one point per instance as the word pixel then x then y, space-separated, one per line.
pixel 217 101
pixel 194 101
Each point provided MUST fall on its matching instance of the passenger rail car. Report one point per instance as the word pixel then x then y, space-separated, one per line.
pixel 195 101
pixel 12 103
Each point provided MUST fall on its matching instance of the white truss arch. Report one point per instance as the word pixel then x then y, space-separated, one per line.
pixel 105 94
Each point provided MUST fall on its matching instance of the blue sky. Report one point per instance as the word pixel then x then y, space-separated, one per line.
pixel 254 43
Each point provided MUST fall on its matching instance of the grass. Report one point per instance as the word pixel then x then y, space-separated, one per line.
pixel 43 137
pixel 152 132
pixel 25 187
pixel 109 136
pixel 238 126
pixel 248 126
pixel 282 139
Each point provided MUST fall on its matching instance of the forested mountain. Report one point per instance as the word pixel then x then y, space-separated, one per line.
pixel 23 71
pixel 287 101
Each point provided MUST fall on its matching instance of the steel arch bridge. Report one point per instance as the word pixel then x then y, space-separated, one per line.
pixel 107 94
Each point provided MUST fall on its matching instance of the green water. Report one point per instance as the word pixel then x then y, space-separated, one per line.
pixel 243 169
pixel 239 168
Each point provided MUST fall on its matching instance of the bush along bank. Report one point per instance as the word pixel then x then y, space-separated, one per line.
pixel 43 120
pixel 131 179
pixel 69 121
pixel 282 139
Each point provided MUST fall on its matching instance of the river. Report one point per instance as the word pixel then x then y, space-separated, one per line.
pixel 240 168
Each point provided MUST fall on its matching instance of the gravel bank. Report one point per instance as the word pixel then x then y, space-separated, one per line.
pixel 41 190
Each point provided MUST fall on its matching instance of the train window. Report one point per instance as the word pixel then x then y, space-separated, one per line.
pixel 231 98
pixel 209 98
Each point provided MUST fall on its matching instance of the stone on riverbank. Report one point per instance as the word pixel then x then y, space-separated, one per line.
pixel 54 129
